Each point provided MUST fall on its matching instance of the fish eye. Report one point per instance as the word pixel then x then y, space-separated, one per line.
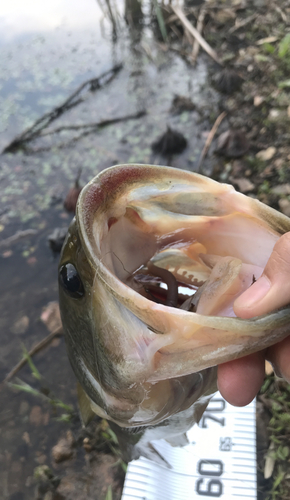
pixel 70 280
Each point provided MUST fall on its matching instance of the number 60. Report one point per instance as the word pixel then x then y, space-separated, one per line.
pixel 213 487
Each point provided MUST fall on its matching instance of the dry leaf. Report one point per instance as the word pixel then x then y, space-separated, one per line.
pixel 269 463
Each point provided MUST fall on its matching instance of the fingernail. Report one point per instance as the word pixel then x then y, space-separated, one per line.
pixel 254 294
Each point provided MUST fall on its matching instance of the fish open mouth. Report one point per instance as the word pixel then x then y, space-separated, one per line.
pixel 166 252
pixel 169 233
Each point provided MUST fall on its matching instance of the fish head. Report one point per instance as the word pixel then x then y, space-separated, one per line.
pixel 138 357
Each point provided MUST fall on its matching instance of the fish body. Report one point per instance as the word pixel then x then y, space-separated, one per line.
pixel 146 363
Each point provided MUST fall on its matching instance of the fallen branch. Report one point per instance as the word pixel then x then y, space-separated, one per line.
pixel 199 27
pixel 38 347
pixel 193 31
pixel 243 22
pixel 210 138
pixel 100 124
pixel 19 235
pixel 34 131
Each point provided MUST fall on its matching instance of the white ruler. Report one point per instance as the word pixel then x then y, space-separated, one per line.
pixel 219 462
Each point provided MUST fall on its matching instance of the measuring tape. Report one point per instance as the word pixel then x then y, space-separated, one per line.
pixel 218 462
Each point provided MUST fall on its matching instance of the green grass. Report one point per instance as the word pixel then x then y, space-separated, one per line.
pixel 275 395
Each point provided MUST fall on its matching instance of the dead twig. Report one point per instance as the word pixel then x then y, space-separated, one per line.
pixel 171 19
pixel 199 27
pixel 19 235
pixel 113 20
pixel 210 138
pixel 241 23
pixel 193 31
pixel 34 131
pixel 38 347
pixel 175 31
pixel 93 126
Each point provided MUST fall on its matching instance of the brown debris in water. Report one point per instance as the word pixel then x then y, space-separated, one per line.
pixel 71 199
pixel 56 239
pixel 38 417
pixel 50 316
pixel 64 449
pixel 20 326
pixel 94 484
pixel 181 103
pixel 170 143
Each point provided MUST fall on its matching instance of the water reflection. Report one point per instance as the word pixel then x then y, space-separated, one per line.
pixel 19 18
pixel 135 19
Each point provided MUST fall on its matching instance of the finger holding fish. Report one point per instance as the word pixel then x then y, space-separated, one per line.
pixel 271 291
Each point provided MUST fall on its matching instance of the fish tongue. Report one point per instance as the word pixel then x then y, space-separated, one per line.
pixel 229 278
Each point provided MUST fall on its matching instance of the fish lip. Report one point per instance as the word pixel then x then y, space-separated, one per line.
pixel 134 172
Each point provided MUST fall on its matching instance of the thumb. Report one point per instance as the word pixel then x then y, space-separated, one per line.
pixel 272 289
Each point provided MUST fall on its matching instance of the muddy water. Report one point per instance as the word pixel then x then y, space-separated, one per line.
pixel 46 53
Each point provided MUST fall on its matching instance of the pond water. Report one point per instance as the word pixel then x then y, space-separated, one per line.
pixel 47 51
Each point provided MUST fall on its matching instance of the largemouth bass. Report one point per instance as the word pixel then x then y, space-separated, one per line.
pixel 150 269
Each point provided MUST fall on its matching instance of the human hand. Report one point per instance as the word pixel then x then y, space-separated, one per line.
pixel 240 380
